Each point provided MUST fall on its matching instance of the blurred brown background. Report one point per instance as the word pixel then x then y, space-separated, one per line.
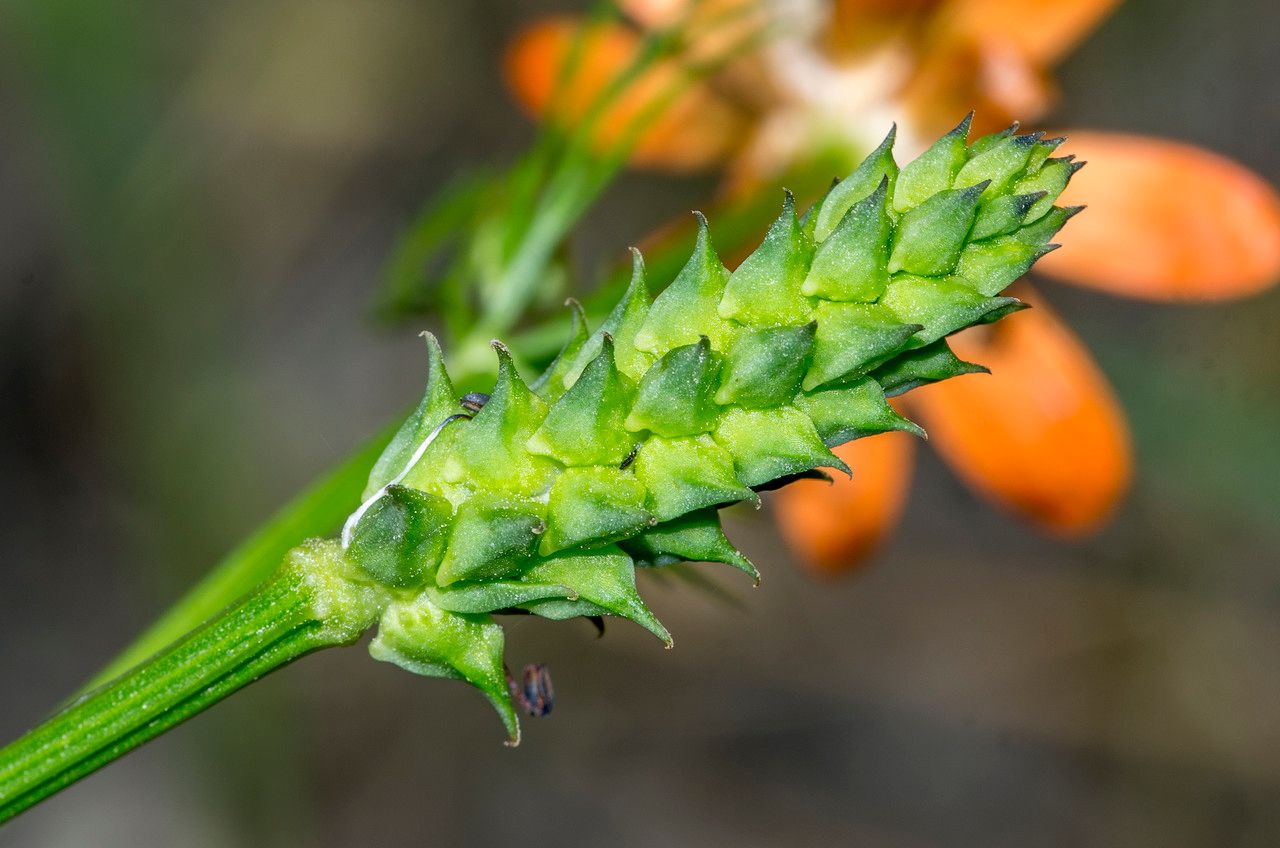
pixel 195 201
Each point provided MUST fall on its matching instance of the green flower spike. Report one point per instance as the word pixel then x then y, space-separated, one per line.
pixel 726 384
pixel 543 499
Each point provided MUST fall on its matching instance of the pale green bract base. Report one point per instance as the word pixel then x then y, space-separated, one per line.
pixel 622 452
pixel 341 595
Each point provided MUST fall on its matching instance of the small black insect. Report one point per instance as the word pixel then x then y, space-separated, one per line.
pixel 534 692
pixel 474 401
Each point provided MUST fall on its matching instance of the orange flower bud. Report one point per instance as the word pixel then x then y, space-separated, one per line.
pixel 1042 434
pixel 694 131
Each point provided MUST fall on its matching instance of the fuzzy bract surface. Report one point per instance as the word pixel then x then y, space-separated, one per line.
pixel 619 457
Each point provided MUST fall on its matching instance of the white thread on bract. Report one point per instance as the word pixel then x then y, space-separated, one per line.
pixel 349 528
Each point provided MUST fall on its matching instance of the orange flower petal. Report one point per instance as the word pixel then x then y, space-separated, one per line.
pixel 1042 434
pixel 990 77
pixel 833 526
pixel 1043 31
pixel 696 130
pixel 862 26
pixel 1166 221
pixel 991 55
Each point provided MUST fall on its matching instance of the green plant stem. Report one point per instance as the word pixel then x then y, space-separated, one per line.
pixel 317 511
pixel 287 617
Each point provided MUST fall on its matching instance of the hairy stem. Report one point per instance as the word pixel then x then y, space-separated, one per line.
pixel 291 615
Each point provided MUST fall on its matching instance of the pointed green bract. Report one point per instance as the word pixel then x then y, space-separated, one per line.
pixel 852 263
pixel 585 426
pixel 919 367
pixel 941 307
pixel 1041 230
pixel 493 536
pixel 998 163
pixel 690 307
pixel 852 338
pixel 764 367
pixel 696 537
pixel 809 220
pixel 491 448
pixel 623 324
pixel 1051 178
pixel 604 579
pixel 552 384
pixel 439 401
pixel 623 452
pixel 764 291
pixel 676 396
pixel 934 170
pixel 634 310
pixel 682 475
pixel 770 443
pixel 1003 215
pixel 992 266
pixel 1042 150
pixel 929 238
pixel 594 505
pixel 879 166
pixel 401 539
pixel 421 637
pixel 845 413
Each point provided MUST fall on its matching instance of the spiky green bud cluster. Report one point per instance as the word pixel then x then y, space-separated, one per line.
pixel 726 383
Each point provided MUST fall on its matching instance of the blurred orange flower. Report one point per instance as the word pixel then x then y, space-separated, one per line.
pixel 1043 435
